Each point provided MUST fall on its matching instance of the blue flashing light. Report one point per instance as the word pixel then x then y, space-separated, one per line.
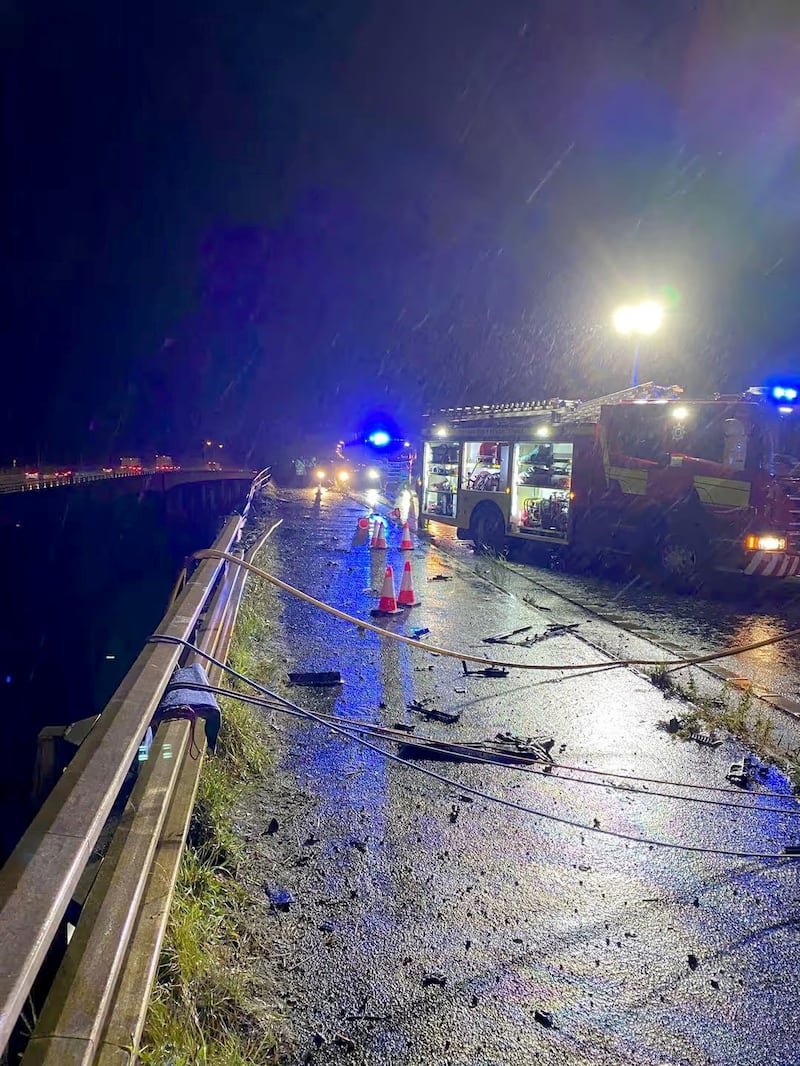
pixel 785 392
pixel 380 438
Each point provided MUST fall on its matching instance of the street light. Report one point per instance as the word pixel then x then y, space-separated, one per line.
pixel 641 320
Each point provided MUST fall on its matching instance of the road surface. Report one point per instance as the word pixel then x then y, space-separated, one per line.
pixel 427 925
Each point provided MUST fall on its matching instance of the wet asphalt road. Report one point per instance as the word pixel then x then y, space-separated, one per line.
pixel 732 611
pixel 397 880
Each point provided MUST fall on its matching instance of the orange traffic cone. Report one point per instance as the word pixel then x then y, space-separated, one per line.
pixel 406 544
pixel 361 534
pixel 407 597
pixel 379 535
pixel 388 601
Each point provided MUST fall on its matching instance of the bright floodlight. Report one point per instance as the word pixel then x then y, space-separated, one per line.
pixel 649 316
pixel 644 318
pixel 625 319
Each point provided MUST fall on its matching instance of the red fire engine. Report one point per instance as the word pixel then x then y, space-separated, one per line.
pixel 644 475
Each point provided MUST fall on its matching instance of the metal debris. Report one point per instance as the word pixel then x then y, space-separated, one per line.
pixel 737 774
pixel 505 638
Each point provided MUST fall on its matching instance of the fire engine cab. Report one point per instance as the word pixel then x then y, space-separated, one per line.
pixel 645 475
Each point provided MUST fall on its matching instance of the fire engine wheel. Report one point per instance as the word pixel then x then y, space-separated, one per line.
pixel 682 562
pixel 488 528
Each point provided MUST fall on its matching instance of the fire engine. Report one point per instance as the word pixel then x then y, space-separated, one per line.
pixel 645 475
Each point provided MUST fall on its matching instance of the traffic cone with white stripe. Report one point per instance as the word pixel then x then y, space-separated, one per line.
pixel 406 598
pixel 379 534
pixel 388 601
pixel 406 544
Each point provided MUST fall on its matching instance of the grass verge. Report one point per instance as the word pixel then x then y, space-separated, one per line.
pixel 206 1008
pixel 732 709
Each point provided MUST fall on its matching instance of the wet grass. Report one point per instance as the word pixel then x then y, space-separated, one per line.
pixel 732 709
pixel 207 1007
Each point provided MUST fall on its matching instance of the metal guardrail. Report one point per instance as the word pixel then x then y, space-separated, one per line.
pixel 95 1009
pixel 44 482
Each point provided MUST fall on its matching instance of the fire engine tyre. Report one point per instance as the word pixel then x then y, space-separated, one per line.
pixel 488 528
pixel 682 561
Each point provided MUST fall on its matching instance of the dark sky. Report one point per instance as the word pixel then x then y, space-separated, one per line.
pixel 251 219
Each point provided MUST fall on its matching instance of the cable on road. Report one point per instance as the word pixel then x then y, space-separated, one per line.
pixel 452 782
pixel 475 755
pixel 432 649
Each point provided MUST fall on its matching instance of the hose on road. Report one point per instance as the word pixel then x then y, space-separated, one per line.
pixel 460 785
pixel 432 649
pixel 471 753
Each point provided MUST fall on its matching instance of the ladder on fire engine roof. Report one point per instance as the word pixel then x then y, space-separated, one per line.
pixel 566 410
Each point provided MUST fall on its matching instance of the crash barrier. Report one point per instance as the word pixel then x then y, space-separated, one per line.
pixel 466 657
pixel 95 1009
pixel 18 485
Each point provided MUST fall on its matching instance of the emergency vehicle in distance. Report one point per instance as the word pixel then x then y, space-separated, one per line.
pixel 644 475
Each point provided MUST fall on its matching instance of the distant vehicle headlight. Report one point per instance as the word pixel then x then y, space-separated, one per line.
pixel 373 474
pixel 319 474
pixel 767 542
pixel 343 476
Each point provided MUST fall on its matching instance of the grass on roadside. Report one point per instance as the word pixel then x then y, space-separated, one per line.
pixel 206 1009
pixel 732 709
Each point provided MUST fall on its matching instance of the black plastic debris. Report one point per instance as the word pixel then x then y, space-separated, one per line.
pixel 432 713
pixel 316 678
pixel 417 633
pixel 693 961
pixel 487 671
pixel 273 826
pixel 434 978
pixel 440 577
pixel 543 1017
pixel 280 898
pixel 403 727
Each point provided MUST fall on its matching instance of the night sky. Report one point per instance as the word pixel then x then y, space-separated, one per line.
pixel 255 220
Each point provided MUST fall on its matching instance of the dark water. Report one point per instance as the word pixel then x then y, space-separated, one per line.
pixel 85 581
